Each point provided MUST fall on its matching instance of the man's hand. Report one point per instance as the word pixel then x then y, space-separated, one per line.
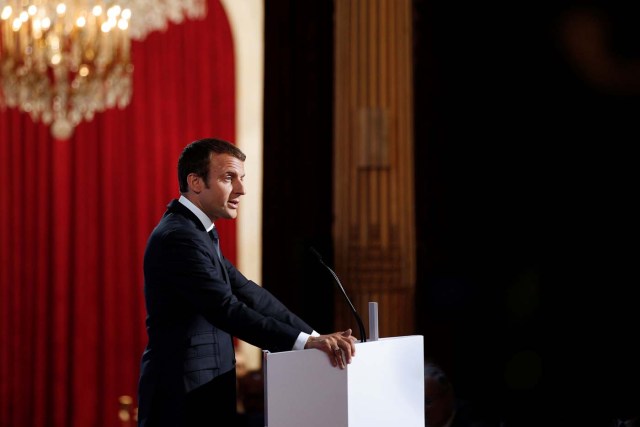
pixel 340 346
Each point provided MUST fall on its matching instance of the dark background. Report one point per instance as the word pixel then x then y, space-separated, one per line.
pixel 525 201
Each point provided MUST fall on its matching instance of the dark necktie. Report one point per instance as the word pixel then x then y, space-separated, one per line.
pixel 215 238
pixel 213 233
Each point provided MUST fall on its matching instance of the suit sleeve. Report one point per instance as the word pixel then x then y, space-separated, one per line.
pixel 187 266
pixel 262 300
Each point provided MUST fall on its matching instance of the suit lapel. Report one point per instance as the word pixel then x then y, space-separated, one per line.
pixel 178 208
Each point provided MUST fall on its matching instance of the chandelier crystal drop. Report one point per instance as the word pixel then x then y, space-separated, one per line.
pixel 64 61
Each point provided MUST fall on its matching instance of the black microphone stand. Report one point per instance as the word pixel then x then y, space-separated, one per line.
pixel 363 336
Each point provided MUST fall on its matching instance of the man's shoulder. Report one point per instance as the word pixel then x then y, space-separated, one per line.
pixel 174 239
pixel 174 224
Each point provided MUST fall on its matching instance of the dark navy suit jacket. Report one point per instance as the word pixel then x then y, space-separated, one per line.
pixel 193 312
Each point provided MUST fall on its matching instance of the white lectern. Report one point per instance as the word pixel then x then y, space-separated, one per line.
pixel 383 386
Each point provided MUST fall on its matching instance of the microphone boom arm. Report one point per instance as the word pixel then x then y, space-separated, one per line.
pixel 363 336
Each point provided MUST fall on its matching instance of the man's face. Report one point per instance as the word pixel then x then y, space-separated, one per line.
pixel 220 196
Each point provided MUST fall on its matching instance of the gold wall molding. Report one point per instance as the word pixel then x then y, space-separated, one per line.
pixel 374 223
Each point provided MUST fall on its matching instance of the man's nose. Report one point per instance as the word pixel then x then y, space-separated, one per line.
pixel 240 187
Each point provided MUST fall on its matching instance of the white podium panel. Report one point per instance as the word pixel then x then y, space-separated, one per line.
pixel 383 386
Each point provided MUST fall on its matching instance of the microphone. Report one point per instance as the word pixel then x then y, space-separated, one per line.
pixel 363 336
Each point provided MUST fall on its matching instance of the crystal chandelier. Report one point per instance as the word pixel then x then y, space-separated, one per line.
pixel 62 61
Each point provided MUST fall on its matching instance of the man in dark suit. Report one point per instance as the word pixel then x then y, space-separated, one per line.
pixel 197 301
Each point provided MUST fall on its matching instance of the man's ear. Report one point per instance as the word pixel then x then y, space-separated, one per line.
pixel 195 182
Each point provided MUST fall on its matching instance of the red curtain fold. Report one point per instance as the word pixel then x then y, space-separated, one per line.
pixel 74 219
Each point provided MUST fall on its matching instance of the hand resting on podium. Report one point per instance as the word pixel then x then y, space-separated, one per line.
pixel 340 346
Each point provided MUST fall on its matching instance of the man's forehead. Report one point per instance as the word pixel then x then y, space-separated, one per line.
pixel 227 163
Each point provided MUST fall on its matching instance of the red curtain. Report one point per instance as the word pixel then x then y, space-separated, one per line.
pixel 74 219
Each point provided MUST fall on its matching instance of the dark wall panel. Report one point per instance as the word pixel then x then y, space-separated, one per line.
pixel 298 155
